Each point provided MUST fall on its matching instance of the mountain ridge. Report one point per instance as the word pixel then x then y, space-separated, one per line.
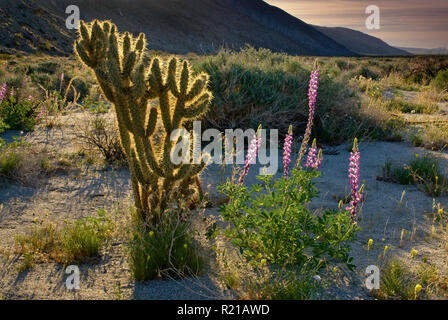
pixel 176 26
pixel 360 42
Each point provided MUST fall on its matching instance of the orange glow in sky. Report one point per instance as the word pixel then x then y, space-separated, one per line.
pixel 405 23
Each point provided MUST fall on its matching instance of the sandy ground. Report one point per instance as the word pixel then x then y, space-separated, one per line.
pixel 79 193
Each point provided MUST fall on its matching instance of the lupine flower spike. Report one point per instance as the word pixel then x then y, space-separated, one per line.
pixel 2 92
pixel 61 82
pixel 314 159
pixel 312 95
pixel 41 113
pixel 251 153
pixel 353 174
pixel 287 151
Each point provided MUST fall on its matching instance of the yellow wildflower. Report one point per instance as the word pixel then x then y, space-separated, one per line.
pixel 418 288
pixel 369 244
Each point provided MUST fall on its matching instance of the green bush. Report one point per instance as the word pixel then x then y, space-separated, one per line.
pixel 270 223
pixel 440 82
pixel 84 237
pixel 73 243
pixel 164 250
pixel 253 87
pixel 10 161
pixel 18 115
pixel 396 282
pixel 423 171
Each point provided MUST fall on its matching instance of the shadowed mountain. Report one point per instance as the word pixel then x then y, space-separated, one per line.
pixel 361 43
pixel 177 26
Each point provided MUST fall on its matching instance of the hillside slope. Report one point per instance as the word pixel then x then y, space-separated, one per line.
pixel 361 43
pixel 28 27
pixel 178 26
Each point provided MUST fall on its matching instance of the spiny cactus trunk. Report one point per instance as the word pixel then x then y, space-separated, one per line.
pixel 131 84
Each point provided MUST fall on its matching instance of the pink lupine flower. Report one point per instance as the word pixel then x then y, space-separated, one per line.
pixel 30 98
pixel 314 159
pixel 11 93
pixel 62 81
pixel 312 96
pixel 251 153
pixel 41 113
pixel 287 151
pixel 353 174
pixel 2 92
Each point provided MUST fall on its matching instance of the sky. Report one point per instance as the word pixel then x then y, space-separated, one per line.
pixel 404 23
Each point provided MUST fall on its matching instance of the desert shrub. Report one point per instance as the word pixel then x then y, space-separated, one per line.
pixel 61 80
pixel 423 171
pixel 270 222
pixel 283 285
pixel 395 80
pixel 95 105
pixel 84 237
pixel 10 161
pixel 367 72
pixel 48 67
pixel 432 137
pixel 401 105
pixel 440 82
pixel 258 86
pixel 73 243
pixel 19 115
pixel 396 282
pixel 416 139
pixel 422 70
pixel 22 162
pixel 97 133
pixel 163 250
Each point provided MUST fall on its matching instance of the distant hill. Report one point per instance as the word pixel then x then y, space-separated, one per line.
pixel 423 51
pixel 182 26
pixel 178 26
pixel 361 43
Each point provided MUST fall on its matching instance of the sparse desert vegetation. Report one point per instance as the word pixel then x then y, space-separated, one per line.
pixel 86 175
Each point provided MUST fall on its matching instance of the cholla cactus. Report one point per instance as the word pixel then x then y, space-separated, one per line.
pixel 132 83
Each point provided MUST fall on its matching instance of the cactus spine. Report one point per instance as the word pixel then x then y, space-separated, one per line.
pixel 132 83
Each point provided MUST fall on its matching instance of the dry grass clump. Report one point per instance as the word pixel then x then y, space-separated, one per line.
pixel 431 137
pixel 98 133
pixel 418 276
pixel 75 242
pixel 22 163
